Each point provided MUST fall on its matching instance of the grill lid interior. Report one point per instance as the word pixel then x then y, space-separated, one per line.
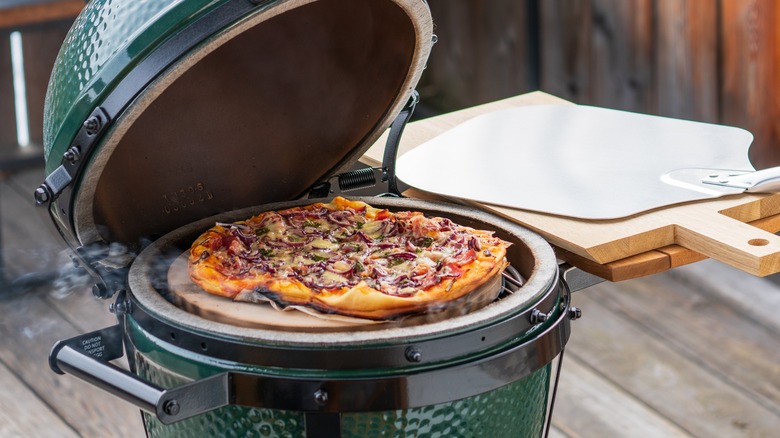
pixel 255 114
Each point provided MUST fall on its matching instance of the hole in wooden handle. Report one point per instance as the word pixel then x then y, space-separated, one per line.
pixel 758 242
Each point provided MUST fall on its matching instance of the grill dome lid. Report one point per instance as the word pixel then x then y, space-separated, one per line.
pixel 161 113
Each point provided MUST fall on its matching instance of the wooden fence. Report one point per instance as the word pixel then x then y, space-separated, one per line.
pixel 41 26
pixel 707 60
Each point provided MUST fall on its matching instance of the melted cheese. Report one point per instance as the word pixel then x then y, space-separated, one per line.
pixel 323 252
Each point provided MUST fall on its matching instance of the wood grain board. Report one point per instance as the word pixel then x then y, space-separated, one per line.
pixel 713 228
pixel 604 399
pixel 700 60
pixel 652 366
pixel 741 355
pixel 22 417
pixel 193 299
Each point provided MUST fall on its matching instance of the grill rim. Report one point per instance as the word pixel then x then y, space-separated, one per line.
pixel 544 278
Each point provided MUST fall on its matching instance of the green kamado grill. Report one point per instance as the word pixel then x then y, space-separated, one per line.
pixel 163 117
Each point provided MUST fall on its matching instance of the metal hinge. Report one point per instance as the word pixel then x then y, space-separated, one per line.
pixel 368 177
pixel 106 264
pixel 72 161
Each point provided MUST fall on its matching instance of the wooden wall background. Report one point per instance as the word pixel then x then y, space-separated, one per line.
pixel 706 60
pixel 43 25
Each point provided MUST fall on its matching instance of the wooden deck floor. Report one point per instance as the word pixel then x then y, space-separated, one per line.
pixel 693 352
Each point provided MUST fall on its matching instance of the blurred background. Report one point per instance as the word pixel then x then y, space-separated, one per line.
pixel 691 352
pixel 712 61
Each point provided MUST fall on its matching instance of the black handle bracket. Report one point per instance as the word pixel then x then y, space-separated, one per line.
pixel 103 345
pixel 368 177
pixel 394 140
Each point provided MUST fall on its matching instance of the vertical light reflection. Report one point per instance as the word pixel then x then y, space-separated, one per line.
pixel 20 91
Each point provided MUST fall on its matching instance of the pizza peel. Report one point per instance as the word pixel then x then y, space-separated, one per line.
pixel 583 162
pixel 567 193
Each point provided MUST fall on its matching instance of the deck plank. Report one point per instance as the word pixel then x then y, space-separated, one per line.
pixel 589 405
pixel 756 298
pixel 28 243
pixel 557 433
pixel 659 376
pixel 22 414
pixel 69 293
pixel 35 319
pixel 709 332
pixel 34 327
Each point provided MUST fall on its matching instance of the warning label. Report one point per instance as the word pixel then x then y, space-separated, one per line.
pixel 94 346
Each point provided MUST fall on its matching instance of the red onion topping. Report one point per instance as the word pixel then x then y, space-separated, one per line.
pixel 404 255
pixel 403 237
pixel 341 217
pixel 286 243
pixel 362 236
pixel 388 228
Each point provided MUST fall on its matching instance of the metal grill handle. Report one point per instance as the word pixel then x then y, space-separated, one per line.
pixel 87 357
pixel 109 377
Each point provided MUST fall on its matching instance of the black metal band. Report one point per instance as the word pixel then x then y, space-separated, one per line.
pixel 316 395
pixel 405 391
pixel 428 352
pixel 322 425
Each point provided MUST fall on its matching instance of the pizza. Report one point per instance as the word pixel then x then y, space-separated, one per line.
pixel 348 258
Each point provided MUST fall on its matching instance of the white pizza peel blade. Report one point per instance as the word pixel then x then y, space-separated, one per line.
pixel 570 160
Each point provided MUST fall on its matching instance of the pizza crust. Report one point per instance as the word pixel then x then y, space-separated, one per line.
pixel 360 301
pixel 366 303
pixel 258 311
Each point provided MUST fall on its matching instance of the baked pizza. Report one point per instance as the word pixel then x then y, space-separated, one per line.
pixel 346 257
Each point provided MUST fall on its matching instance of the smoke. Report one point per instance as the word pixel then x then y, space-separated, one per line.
pixel 57 272
pixel 43 268
pixel 69 278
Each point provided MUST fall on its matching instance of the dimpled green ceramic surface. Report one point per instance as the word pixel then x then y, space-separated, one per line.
pixel 106 42
pixel 515 410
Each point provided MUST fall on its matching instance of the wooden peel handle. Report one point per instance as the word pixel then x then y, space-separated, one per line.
pixel 732 242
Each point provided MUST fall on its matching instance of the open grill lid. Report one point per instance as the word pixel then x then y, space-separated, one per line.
pixel 189 108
